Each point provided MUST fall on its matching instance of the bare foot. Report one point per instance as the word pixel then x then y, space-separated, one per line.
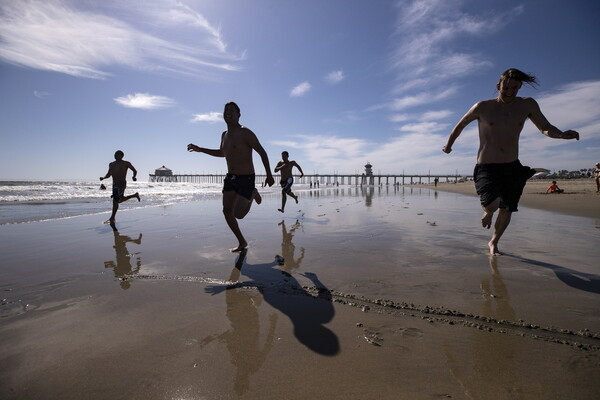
pixel 296 198
pixel 280 209
pixel 494 251
pixel 486 220
pixel 241 247
pixel 257 197
pixel 137 196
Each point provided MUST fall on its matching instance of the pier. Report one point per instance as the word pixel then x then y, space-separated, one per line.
pixel 324 179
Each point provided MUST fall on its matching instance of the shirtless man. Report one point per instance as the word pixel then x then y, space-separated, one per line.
pixel 237 143
pixel 499 176
pixel 118 170
pixel 287 180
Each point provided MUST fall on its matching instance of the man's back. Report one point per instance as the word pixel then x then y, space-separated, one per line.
pixel 118 170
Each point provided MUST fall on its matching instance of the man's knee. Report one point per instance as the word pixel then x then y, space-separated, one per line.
pixel 493 206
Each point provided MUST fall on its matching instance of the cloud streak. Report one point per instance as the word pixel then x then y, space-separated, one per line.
pixel 300 89
pixel 426 34
pixel 335 77
pixel 211 117
pixel 63 37
pixel 144 101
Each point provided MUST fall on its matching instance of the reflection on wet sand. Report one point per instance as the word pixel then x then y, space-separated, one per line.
pixel 288 248
pixel 243 339
pixel 123 268
pixel 478 372
pixel 282 291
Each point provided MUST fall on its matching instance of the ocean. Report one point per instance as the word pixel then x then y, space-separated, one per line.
pixel 29 201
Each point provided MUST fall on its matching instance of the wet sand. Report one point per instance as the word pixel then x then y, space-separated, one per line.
pixel 386 293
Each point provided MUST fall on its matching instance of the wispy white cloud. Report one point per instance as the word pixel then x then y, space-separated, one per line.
pixel 66 37
pixel 421 98
pixel 40 94
pixel 435 115
pixel 427 39
pixel 300 90
pixel 211 117
pixel 144 101
pixel 424 127
pixel 335 76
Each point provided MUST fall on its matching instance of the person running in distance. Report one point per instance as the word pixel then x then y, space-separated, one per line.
pixel 287 180
pixel 118 170
pixel 499 176
pixel 237 143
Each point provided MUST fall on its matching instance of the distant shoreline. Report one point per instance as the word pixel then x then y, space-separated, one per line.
pixel 579 199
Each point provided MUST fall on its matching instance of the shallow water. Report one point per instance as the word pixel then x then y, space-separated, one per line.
pixel 384 291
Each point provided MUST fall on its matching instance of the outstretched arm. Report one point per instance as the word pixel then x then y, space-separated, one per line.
pixel 546 127
pixel 211 152
pixel 469 117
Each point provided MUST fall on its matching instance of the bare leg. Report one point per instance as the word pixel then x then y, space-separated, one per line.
pixel 293 196
pixel 136 195
pixel 283 201
pixel 500 226
pixel 114 211
pixel 243 205
pixel 489 210
pixel 597 184
pixel 230 205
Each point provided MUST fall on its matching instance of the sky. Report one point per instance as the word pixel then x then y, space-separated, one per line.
pixel 336 83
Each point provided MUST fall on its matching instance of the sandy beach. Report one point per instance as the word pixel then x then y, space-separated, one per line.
pixel 383 293
pixel 580 197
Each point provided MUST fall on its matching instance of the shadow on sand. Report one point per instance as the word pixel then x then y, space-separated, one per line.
pixel 307 312
pixel 575 279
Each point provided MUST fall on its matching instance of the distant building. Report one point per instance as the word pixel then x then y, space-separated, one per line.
pixel 163 171
pixel 367 177
pixel 163 174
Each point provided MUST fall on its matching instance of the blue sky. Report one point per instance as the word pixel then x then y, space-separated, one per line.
pixel 337 83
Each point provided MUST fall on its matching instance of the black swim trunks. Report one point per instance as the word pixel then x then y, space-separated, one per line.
pixel 286 184
pixel 504 181
pixel 118 191
pixel 241 184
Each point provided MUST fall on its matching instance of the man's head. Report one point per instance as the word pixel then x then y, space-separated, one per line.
pixel 119 155
pixel 513 73
pixel 511 81
pixel 285 155
pixel 231 112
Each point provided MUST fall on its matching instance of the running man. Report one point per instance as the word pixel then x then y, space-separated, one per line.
pixel 237 143
pixel 499 176
pixel 118 170
pixel 287 180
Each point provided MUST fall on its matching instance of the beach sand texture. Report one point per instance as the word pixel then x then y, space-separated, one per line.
pixel 384 293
